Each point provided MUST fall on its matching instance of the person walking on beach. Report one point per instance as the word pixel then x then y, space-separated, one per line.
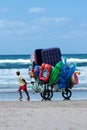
pixel 22 86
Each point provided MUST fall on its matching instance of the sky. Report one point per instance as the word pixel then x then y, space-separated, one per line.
pixel 26 25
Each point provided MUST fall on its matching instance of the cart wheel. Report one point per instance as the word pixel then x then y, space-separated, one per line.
pixel 67 94
pixel 47 94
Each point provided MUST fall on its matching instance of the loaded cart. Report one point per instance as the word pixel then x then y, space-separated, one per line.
pixel 50 69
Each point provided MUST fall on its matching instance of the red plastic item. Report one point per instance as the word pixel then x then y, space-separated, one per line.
pixel 45 70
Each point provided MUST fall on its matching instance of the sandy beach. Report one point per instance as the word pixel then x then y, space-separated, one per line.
pixel 43 115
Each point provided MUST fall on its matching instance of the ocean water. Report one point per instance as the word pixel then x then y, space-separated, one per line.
pixel 9 64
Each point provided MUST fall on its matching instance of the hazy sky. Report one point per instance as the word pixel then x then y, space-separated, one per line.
pixel 26 25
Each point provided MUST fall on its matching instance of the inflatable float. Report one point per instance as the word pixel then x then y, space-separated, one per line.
pixel 48 69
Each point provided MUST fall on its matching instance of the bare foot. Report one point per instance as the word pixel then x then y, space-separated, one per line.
pixel 20 99
pixel 28 99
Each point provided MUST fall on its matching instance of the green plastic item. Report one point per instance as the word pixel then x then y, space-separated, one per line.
pixel 55 72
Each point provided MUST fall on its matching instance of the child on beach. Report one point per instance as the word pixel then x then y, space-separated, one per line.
pixel 23 86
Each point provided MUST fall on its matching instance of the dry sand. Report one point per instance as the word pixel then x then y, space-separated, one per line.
pixel 43 115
